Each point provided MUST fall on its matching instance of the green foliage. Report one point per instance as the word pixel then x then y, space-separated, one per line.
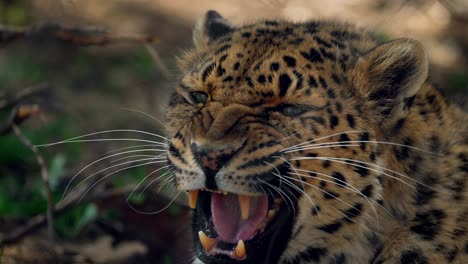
pixel 71 223
pixel 13 151
pixel 23 195
pixel 167 260
pixel 21 68
pixel 175 210
pixel 132 177
pixel 110 214
pixel 458 81
pixel 56 170
pixel 13 12
pixel 20 197
pixel 382 36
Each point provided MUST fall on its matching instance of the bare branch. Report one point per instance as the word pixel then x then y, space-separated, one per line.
pixel 158 61
pixel 17 116
pixel 84 36
pixel 45 180
pixel 11 100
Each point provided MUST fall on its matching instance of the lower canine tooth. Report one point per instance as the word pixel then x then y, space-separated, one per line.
pixel 193 199
pixel 244 203
pixel 206 242
pixel 270 214
pixel 240 250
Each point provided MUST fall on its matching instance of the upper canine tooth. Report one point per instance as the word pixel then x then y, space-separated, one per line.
pixel 206 242
pixel 240 250
pixel 244 204
pixel 193 199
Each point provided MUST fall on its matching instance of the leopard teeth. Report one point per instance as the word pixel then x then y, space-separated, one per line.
pixel 240 250
pixel 193 199
pixel 244 204
pixel 207 243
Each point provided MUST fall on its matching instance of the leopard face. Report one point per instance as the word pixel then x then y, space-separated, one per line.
pixel 281 134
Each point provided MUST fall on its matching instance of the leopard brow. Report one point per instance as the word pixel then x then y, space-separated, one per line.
pixel 185 87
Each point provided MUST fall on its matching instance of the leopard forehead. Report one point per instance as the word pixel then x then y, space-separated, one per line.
pixel 274 59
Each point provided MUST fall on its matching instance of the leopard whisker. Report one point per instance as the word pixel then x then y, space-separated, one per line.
pixel 137 155
pixel 107 168
pixel 311 185
pixel 101 140
pixel 145 178
pixel 389 170
pixel 337 198
pixel 392 171
pixel 283 195
pixel 320 146
pixel 355 165
pixel 290 165
pixel 166 181
pixel 101 159
pixel 344 215
pixel 344 185
pixel 157 211
pixel 290 184
pixel 147 115
pixel 369 141
pixel 322 138
pixel 73 139
pixel 131 147
pixel 110 174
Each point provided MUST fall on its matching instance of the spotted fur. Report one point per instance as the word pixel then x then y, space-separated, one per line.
pixel 273 85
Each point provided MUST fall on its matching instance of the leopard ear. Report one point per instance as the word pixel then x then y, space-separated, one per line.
pixel 211 27
pixel 391 74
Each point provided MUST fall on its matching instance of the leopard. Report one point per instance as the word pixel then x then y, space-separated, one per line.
pixel 316 142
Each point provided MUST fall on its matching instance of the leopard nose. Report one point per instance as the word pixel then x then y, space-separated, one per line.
pixel 211 160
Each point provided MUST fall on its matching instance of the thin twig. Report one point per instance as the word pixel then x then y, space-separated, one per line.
pixel 38 221
pixel 17 116
pixel 45 180
pixel 157 59
pixel 11 100
pixel 84 36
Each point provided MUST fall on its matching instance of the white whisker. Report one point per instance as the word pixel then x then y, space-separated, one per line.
pixel 284 196
pixel 389 170
pixel 135 156
pixel 73 139
pixel 103 158
pixel 110 174
pixel 132 147
pixel 321 138
pixel 315 187
pixel 146 177
pixel 344 185
pixel 99 140
pixel 305 147
pixel 155 212
pixel 146 114
pixel 352 164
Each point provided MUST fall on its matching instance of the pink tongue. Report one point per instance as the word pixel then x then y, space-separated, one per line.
pixel 227 219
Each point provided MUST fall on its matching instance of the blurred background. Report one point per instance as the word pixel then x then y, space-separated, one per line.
pixel 73 67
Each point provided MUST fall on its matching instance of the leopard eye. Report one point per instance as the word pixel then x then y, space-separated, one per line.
pixel 198 97
pixel 293 110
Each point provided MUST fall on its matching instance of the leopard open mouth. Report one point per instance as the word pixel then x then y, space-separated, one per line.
pixel 233 228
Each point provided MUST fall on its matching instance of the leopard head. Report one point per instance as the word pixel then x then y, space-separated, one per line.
pixel 273 128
